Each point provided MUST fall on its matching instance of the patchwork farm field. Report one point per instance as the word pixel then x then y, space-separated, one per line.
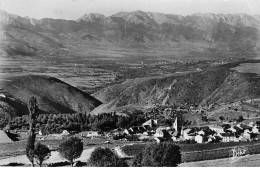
pixel 132 150
pixel 243 161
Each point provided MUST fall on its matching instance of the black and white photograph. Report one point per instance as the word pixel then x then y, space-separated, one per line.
pixel 129 83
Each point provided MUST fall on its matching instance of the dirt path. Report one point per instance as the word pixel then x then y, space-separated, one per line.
pixel 55 157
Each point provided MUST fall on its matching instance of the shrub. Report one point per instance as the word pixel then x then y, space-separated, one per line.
pixel 104 157
pixel 159 155
pixel 240 119
pixel 71 149
pixel 80 164
pixel 14 164
pixel 58 164
pixel 41 153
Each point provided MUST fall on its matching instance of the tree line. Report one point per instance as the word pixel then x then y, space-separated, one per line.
pixel 56 123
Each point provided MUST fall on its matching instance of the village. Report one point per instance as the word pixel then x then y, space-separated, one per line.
pixel 246 131
pixel 192 134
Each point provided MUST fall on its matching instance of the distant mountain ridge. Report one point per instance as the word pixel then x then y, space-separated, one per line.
pixel 92 17
pixel 237 31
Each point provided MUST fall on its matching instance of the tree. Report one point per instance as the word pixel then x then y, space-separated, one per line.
pixel 122 122
pixel 41 153
pixel 221 118
pixel 164 154
pixel 104 157
pixel 82 128
pixel 71 149
pixel 240 118
pixel 33 113
pixel 204 118
pixel 30 149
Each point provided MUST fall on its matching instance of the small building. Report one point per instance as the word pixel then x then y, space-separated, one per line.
pixel 160 131
pixel 246 136
pixel 65 133
pixel 255 129
pixel 199 139
pixel 228 137
pixel 247 131
pixel 92 134
pixel 210 139
pixel 127 132
pixel 150 123
pixel 201 132
pixel 189 137
pixel 251 124
pixel 232 129
pixel 186 135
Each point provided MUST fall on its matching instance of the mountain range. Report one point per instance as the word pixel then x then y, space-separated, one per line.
pixel 231 32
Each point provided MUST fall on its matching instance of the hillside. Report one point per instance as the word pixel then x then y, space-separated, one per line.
pixel 219 84
pixel 53 95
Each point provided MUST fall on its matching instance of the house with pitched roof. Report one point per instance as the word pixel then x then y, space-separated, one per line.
pixel 228 137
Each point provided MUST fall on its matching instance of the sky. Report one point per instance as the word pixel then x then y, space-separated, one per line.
pixel 73 9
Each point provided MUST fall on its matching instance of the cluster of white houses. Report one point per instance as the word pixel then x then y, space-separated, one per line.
pixel 196 134
pixel 215 133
